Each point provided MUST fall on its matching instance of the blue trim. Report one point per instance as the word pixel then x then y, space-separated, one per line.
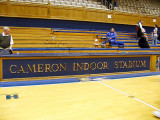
pixel 138 46
pixel 71 80
pixel 126 39
pixel 91 32
pixel 41 49
pixel 37 82
pixel 59 29
pixel 77 54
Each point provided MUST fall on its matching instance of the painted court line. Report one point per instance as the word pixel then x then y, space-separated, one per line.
pixel 128 95
pixel 108 78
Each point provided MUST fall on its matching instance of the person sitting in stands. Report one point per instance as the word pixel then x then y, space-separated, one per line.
pixel 139 29
pixel 143 41
pixel 111 36
pixel 6 42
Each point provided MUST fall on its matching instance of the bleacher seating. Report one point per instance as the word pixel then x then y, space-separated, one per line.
pixel 146 7
pixel 55 40
pixel 72 3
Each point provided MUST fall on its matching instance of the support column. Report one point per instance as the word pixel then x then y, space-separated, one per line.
pixel 1 71
pixel 153 60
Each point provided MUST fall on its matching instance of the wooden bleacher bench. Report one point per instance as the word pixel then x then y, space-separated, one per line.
pixel 40 40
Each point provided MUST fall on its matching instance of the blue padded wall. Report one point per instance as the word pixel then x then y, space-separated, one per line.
pixel 50 23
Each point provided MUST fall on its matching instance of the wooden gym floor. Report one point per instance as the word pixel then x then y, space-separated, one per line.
pixel 105 99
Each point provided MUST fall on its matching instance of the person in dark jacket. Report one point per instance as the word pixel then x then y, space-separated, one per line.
pixel 143 41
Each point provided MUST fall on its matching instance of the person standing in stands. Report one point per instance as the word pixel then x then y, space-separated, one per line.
pixel 139 29
pixel 6 41
pixel 155 35
pixel 116 3
pixel 111 37
pixel 108 2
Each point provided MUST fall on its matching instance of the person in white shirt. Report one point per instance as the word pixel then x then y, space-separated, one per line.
pixel 155 35
pixel 139 24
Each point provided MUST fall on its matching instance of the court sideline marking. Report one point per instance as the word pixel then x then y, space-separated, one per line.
pixel 101 82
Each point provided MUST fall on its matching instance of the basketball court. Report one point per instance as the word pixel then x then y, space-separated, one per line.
pixel 79 60
pixel 102 98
